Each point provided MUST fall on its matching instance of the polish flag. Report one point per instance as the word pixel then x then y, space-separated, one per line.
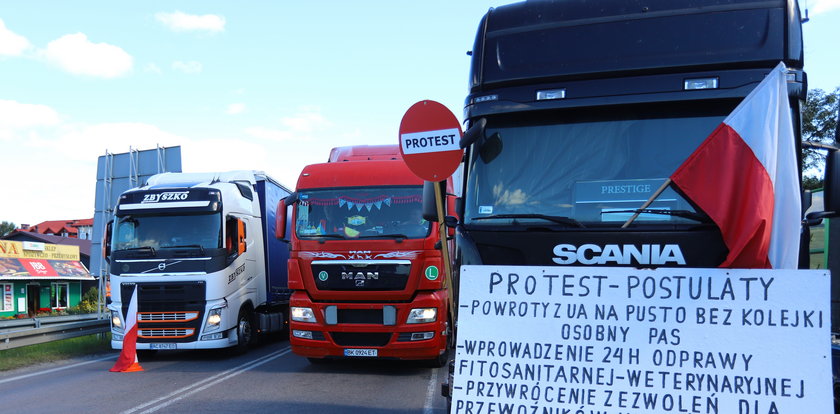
pixel 127 361
pixel 745 177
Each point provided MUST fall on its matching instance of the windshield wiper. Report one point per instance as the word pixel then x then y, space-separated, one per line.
pixel 394 235
pixel 149 249
pixel 332 235
pixel 185 246
pixel 688 214
pixel 555 219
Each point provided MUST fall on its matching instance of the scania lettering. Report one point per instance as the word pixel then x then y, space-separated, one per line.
pixel 648 254
pixel 195 247
pixel 579 111
pixel 361 255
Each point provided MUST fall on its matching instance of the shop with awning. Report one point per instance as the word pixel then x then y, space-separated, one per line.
pixel 39 277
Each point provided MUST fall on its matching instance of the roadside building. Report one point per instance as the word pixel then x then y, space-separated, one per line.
pixel 37 277
pixel 77 229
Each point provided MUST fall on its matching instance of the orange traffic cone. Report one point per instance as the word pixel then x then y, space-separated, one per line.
pixel 127 361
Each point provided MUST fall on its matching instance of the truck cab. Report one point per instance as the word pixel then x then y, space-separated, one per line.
pixel 365 266
pixel 585 110
pixel 194 247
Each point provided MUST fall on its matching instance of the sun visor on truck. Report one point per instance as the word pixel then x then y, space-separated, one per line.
pixel 194 200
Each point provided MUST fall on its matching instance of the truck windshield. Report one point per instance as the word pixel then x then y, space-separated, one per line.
pixel 585 168
pixel 369 212
pixel 171 231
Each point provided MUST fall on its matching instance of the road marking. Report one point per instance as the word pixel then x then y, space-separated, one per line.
pixel 185 392
pixel 20 377
pixel 430 392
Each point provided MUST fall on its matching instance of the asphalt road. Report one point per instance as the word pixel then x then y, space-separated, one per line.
pixel 268 379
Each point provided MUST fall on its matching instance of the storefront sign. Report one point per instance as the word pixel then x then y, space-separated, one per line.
pixel 17 250
pixel 27 269
pixel 622 340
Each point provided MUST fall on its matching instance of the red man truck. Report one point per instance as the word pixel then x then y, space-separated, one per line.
pixel 366 269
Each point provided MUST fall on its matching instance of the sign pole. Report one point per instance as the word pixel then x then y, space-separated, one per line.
pixel 444 248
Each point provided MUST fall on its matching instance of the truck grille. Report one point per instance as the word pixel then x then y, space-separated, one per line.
pixel 165 333
pixel 361 338
pixel 361 275
pixel 167 311
pixel 373 316
pixel 166 316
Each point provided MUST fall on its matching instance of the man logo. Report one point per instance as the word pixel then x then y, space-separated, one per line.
pixel 359 275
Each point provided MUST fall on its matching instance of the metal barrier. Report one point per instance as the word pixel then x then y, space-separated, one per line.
pixel 22 332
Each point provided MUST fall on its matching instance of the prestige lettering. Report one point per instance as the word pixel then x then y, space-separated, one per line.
pixel 626 189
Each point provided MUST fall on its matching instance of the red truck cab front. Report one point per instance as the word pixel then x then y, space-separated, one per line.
pixel 366 269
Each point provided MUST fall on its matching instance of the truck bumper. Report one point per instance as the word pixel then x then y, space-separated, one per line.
pixel 229 340
pixel 342 329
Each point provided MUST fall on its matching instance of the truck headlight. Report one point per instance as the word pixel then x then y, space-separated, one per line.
pixel 422 315
pixel 116 322
pixel 214 319
pixel 303 315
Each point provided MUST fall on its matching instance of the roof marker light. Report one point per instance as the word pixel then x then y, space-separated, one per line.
pixel 550 94
pixel 700 83
pixel 486 98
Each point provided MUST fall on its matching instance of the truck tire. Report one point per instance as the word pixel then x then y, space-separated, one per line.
pixel 244 330
pixel 443 358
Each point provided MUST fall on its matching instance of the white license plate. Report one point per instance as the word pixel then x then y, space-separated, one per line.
pixel 360 352
pixel 163 346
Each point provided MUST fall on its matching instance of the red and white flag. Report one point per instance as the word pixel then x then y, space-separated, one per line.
pixel 745 177
pixel 127 361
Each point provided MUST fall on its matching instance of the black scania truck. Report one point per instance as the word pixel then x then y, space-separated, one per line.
pixel 578 111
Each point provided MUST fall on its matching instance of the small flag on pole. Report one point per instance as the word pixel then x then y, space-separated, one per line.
pixel 127 361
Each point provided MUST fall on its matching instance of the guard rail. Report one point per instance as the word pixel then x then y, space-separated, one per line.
pixel 22 332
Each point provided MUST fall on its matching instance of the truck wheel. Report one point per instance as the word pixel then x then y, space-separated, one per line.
pixel 443 358
pixel 244 330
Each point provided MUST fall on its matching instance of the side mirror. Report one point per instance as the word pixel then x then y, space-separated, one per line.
pixel 831 187
pixel 429 207
pixel 242 246
pixel 106 242
pixel 280 220
pixel 475 132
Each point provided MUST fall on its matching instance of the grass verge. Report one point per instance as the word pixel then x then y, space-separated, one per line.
pixel 54 351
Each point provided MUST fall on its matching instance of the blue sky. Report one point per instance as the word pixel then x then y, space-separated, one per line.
pixel 265 85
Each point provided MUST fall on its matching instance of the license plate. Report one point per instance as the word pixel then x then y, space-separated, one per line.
pixel 163 346
pixel 360 352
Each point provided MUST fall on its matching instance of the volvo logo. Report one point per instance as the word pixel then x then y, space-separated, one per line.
pixel 359 275
pixel 161 266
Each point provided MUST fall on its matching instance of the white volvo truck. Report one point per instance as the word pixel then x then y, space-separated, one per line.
pixel 201 251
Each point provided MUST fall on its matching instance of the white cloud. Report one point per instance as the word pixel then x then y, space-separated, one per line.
pixel 11 43
pixel 76 54
pixel 303 126
pixel 15 115
pixel 235 108
pixel 152 68
pixel 307 121
pixel 182 22
pixel 816 7
pixel 190 67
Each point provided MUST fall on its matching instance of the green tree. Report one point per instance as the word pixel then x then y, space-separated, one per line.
pixel 819 120
pixel 6 227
